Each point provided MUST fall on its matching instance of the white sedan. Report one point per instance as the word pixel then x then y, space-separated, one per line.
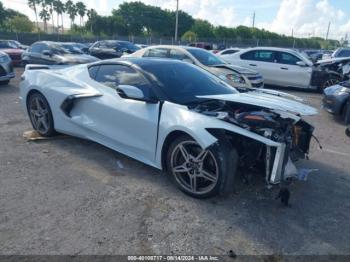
pixel 170 115
pixel 279 66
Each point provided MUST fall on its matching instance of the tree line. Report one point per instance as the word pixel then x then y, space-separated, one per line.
pixel 139 19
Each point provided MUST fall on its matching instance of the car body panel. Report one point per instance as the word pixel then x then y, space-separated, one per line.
pixel 136 128
pixel 6 67
pixel 274 72
pixel 335 97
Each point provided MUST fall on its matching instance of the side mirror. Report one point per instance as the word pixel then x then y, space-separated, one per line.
pixel 47 53
pixel 301 63
pixel 132 92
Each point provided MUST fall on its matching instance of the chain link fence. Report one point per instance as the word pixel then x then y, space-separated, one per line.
pixel 29 38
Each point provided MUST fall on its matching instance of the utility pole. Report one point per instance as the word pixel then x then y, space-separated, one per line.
pixel 254 19
pixel 177 20
pixel 329 25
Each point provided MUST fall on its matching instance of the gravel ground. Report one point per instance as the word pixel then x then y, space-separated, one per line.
pixel 70 196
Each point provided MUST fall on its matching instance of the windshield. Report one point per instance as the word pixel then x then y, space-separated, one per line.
pixel 71 48
pixel 7 44
pixel 205 57
pixel 182 82
pixel 122 45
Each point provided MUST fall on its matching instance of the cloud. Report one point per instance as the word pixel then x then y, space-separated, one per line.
pixel 305 17
pixel 308 18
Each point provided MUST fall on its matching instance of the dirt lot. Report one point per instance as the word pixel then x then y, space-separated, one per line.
pixel 70 196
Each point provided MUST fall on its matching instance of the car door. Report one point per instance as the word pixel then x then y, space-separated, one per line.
pixel 126 125
pixel 264 62
pixel 47 59
pixel 290 73
pixel 94 50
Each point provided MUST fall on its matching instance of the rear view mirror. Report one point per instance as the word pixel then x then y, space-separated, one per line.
pixel 132 92
pixel 301 63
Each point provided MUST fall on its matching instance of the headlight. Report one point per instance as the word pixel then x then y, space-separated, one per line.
pixel 235 78
pixel 4 58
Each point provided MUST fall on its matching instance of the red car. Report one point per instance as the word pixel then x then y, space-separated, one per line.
pixel 13 51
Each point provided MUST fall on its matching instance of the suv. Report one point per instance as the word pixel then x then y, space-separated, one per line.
pixel 112 49
pixel 236 76
pixel 284 67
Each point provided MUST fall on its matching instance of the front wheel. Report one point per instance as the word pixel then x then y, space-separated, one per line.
pixel 201 173
pixel 40 115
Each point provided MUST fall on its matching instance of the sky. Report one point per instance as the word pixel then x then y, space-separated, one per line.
pixel 305 18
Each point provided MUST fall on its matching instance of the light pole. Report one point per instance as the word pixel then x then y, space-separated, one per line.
pixel 177 20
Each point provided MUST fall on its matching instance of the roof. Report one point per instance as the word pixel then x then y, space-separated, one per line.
pixel 141 61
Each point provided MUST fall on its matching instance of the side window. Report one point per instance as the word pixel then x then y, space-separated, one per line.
pixel 93 71
pixel 176 54
pixel 35 48
pixel 344 53
pixel 288 59
pixel 248 55
pixel 156 52
pixel 114 75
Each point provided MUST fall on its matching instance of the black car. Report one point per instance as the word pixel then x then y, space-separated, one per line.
pixel 112 49
pixel 55 53
pixel 336 100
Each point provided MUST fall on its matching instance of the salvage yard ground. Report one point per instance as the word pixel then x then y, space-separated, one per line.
pixel 70 196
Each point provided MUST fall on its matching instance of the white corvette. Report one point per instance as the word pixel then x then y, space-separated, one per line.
pixel 173 116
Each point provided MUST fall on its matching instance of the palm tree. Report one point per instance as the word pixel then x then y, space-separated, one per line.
pixel 33 5
pixel 45 16
pixel 58 7
pixel 72 11
pixel 49 4
pixel 91 14
pixel 81 8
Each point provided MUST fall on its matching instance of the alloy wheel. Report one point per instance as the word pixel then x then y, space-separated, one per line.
pixel 195 170
pixel 39 114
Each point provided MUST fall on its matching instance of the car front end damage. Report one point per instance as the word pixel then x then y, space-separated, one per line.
pixel 288 137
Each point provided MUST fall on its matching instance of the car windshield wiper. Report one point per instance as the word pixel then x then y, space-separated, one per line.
pixel 200 101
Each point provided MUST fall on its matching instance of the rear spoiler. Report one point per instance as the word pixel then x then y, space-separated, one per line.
pixel 36 67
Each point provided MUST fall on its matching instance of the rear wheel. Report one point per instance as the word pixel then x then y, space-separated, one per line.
pixel 40 115
pixel 347 131
pixel 201 173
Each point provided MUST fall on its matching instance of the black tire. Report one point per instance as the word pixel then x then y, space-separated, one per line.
pixel 4 82
pixel 225 160
pixel 346 112
pixel 332 80
pixel 347 131
pixel 49 129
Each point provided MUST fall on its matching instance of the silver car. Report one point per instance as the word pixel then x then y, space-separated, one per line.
pixel 6 69
pixel 236 76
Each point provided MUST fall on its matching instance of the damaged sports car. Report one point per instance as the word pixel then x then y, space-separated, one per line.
pixel 173 116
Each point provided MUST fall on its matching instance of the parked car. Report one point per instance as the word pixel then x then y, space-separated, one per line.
pixel 82 47
pixel 18 44
pixel 228 51
pixel 171 115
pixel 285 67
pixel 112 49
pixel 203 45
pixel 12 50
pixel 313 55
pixel 341 52
pixel 234 75
pixel 6 69
pixel 55 53
pixel 336 100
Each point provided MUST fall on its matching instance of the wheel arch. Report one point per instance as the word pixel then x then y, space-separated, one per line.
pixel 167 142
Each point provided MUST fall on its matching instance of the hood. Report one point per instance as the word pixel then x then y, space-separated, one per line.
pixel 238 69
pixel 77 58
pixel 267 101
pixel 12 50
pixel 332 60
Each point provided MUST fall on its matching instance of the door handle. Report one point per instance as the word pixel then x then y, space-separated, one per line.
pixel 284 68
pixel 252 64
